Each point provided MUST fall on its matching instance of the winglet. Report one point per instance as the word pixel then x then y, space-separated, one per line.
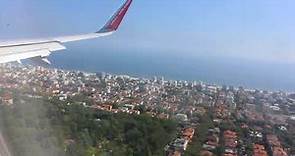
pixel 116 19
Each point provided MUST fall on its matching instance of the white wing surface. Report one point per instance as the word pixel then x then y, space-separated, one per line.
pixel 41 48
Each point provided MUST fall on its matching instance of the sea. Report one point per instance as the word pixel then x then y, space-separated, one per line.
pixel 214 70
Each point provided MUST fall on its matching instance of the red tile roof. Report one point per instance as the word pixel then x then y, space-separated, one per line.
pixel 278 151
pixel 259 150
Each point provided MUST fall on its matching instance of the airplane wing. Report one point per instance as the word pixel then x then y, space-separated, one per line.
pixel 41 48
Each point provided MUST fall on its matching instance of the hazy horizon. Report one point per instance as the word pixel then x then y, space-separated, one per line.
pixel 221 71
pixel 235 42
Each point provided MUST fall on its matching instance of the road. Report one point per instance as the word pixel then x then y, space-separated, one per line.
pixel 3 147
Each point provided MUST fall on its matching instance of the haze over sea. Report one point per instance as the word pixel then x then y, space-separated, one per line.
pixel 248 43
pixel 229 71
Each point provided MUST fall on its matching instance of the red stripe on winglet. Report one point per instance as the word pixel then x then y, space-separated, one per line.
pixel 116 20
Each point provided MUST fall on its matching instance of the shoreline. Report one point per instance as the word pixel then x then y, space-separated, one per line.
pixel 140 76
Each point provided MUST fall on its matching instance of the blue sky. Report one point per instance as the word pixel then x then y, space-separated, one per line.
pixel 256 30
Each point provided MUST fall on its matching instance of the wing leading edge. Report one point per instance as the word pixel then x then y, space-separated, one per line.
pixel 41 48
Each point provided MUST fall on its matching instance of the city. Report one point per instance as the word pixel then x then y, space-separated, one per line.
pixel 147 78
pixel 211 119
